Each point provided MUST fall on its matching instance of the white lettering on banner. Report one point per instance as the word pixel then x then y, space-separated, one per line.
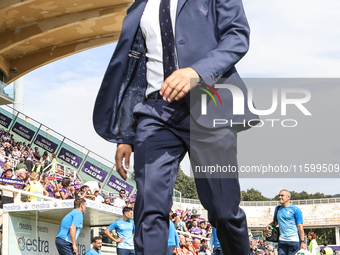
pixel 121 184
pixel 118 186
pixel 69 160
pixel 95 173
pixel 70 155
pixel 95 169
pixel 23 134
pixel 46 142
pixel 44 146
pixel 11 181
pixel 23 129
pixel 111 184
pixel 3 123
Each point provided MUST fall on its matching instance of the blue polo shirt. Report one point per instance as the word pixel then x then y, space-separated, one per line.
pixel 173 236
pixel 75 217
pixel 288 218
pixel 124 229
pixel 214 240
pixel 92 252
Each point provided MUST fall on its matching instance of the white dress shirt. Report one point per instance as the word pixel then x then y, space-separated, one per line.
pixel 152 34
pixel 119 202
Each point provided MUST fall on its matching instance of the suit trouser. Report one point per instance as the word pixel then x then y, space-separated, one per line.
pixel 164 134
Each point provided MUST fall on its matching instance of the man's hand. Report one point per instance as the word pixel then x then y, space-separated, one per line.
pixel 268 229
pixel 302 236
pixel 73 231
pixel 303 246
pixel 177 85
pixel 120 240
pixel 123 151
pixel 75 249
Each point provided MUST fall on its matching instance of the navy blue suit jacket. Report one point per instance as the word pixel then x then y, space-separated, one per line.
pixel 211 37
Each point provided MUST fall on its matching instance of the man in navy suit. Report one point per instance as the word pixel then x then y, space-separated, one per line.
pixel 148 104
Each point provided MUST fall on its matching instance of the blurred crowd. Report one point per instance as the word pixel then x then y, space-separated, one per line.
pixel 200 240
pixel 22 167
pixel 194 232
pixel 261 247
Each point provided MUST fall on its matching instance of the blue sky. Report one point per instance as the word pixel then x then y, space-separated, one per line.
pixel 288 39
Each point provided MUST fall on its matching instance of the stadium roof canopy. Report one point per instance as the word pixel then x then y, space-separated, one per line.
pixel 34 33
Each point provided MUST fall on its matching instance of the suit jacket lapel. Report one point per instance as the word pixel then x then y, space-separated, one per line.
pixel 180 5
pixel 132 19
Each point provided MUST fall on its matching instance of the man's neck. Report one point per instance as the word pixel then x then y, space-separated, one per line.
pixel 95 249
pixel 286 204
pixel 125 218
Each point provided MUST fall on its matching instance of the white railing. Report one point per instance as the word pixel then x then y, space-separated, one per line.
pixel 53 168
pixel 186 200
pixel 19 192
pixel 14 161
pixel 191 235
pixel 268 203
pixel 294 202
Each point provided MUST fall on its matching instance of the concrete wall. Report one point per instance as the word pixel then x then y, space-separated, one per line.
pixel 314 215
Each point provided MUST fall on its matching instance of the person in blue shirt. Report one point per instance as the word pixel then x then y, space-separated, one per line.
pixel 70 228
pixel 289 218
pixel 173 240
pixel 125 229
pixel 96 246
pixel 215 242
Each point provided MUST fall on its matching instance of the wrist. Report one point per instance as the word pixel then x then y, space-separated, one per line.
pixel 302 241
